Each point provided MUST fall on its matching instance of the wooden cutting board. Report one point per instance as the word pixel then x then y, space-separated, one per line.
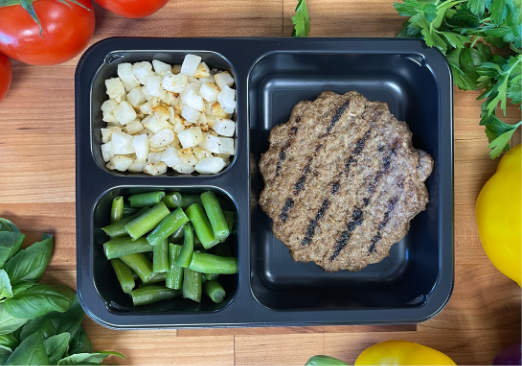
pixel 37 191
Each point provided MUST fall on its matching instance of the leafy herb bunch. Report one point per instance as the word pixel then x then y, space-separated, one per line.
pixel 482 42
pixel 40 324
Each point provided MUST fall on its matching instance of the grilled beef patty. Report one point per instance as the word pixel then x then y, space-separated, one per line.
pixel 342 181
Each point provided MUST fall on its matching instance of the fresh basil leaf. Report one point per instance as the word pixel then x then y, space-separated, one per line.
pixel 9 323
pixel 46 324
pixel 30 352
pixel 8 340
pixel 31 262
pixel 71 320
pixel 88 358
pixel 5 352
pixel 39 300
pixel 80 343
pixel 56 346
pixel 8 225
pixel 301 20
pixel 10 243
pixel 6 291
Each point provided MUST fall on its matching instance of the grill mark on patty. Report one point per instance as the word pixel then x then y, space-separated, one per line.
pixel 337 116
pixel 310 231
pixel 282 152
pixel 289 203
pixel 299 185
pixel 357 220
pixel 383 223
pixel 335 187
pixel 359 146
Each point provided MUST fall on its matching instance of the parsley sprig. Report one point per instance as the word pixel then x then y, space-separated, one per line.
pixel 482 42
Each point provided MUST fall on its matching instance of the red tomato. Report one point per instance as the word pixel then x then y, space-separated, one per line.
pixel 5 75
pixel 132 8
pixel 67 29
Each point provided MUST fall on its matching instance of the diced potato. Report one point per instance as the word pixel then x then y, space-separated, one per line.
pixel 162 112
pixel 227 99
pixel 211 165
pixel 218 112
pixel 162 138
pixel 194 84
pixel 136 97
pixel 168 98
pixel 121 144
pixel 160 67
pixel 190 137
pixel 218 145
pixel 152 85
pixel 114 89
pixel 224 79
pixel 154 124
pixel 154 157
pixel 146 108
pixel 157 168
pixel 109 166
pixel 172 159
pixel 106 150
pixel 202 71
pixel 224 127
pixel 124 113
pixel 178 124
pixel 121 163
pixel 190 114
pixel 141 146
pixel 133 127
pixel 190 64
pixel 127 76
pixel 176 69
pixel 107 109
pixel 137 166
pixel 174 83
pixel 107 133
pixel 209 92
pixel 192 99
pixel 187 156
pixel 142 70
pixel 200 153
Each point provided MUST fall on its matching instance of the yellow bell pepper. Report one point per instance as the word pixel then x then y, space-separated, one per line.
pixel 390 353
pixel 498 214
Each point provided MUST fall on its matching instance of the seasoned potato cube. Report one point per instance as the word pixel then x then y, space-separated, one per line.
pixel 146 108
pixel 157 168
pixel 192 99
pixel 137 166
pixel 210 165
pixel 140 144
pixel 190 114
pixel 218 112
pixel 172 159
pixel 127 76
pixel 160 67
pixel 106 150
pixel 162 138
pixel 227 99
pixel 162 112
pixel 114 89
pixel 154 124
pixel 121 144
pixel 224 127
pixel 152 85
pixel 133 127
pixel 142 70
pixel 174 83
pixel 224 79
pixel 107 133
pixel 200 153
pixel 209 91
pixel 190 137
pixel 190 64
pixel 107 109
pixel 121 163
pixel 124 113
pixel 218 145
pixel 136 97
pixel 202 71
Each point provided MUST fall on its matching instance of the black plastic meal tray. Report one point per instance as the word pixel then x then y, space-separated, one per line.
pixel 272 75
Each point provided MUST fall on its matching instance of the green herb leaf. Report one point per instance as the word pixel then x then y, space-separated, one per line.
pixel 7 225
pixel 88 358
pixel 477 7
pixel 6 291
pixel 500 144
pixel 31 262
pixel 321 360
pixel 30 352
pixel 10 243
pixel 56 346
pixel 9 323
pixel 80 343
pixel 455 39
pixel 5 352
pixel 498 11
pixel 301 20
pixel 8 340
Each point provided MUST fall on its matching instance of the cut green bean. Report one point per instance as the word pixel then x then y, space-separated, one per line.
pixel 160 257
pixel 118 228
pixel 146 221
pixel 215 291
pixel 146 199
pixel 209 263
pixel 157 278
pixel 167 226
pixel 139 264
pixel 129 210
pixel 124 275
pixel 178 234
pixel 211 276
pixel 192 285
pixel 183 260
pixel 215 215
pixel 173 200
pixel 117 209
pixel 230 217
pixel 118 247
pixel 174 278
pixel 188 199
pixel 202 227
pixel 151 294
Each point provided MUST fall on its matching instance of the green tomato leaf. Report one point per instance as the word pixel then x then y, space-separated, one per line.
pixel 88 358
pixel 10 243
pixel 56 346
pixel 6 291
pixel 31 262
pixel 7 225
pixel 80 343
pixel 5 352
pixel 321 360
pixel 30 352
pixel 301 20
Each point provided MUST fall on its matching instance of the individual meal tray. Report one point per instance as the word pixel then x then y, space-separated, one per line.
pixel 263 181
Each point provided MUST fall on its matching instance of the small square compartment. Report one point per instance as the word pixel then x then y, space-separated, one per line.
pixel 105 279
pixel 412 271
pixel 108 69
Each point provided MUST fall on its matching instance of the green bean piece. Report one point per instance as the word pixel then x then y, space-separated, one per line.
pixel 174 278
pixel 189 199
pixel 124 275
pixel 178 234
pixel 211 276
pixel 210 263
pixel 117 209
pixel 129 210
pixel 215 215
pixel 201 226
pixel 215 291
pixel 146 221
pixel 118 247
pixel 146 199
pixel 151 294
pixel 192 285
pixel 139 264
pixel 167 226
pixel 173 200
pixel 118 228
pixel 160 257
pixel 157 278
pixel 230 217
pixel 185 256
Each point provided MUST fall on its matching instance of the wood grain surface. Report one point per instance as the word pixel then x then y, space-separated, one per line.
pixel 37 191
